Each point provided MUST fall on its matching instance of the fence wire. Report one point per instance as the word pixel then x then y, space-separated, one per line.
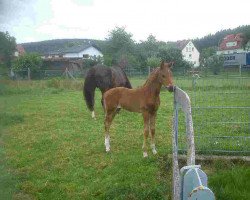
pixel 221 114
pixel 220 108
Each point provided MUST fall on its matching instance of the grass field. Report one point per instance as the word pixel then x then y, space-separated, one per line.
pixel 52 149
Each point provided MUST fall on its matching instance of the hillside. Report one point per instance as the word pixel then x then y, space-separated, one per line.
pixel 210 40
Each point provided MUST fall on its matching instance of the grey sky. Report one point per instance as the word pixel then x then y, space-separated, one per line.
pixel 168 20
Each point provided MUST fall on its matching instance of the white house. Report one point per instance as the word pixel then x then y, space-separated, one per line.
pixel 189 52
pixel 80 51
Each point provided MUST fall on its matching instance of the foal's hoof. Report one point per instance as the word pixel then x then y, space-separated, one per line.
pixel 107 150
pixel 118 110
pixel 93 115
pixel 154 151
pixel 145 154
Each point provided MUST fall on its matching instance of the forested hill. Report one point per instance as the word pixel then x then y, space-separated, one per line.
pixel 47 46
pixel 212 40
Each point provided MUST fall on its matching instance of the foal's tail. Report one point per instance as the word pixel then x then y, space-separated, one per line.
pixel 89 90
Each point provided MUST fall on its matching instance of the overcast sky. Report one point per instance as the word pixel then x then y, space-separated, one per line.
pixel 167 20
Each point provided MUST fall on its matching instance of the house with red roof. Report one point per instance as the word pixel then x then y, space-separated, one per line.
pixel 189 51
pixel 231 44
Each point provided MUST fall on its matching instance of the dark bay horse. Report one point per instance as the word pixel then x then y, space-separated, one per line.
pixel 104 78
pixel 145 100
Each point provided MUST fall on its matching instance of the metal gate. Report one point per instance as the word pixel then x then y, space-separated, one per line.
pixel 221 114
pixel 189 182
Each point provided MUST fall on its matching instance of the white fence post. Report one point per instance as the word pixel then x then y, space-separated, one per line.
pixel 28 73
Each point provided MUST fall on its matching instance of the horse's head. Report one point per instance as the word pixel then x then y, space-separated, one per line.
pixel 165 75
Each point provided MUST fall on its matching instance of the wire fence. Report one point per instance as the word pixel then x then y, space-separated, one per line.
pixel 45 74
pixel 220 107
pixel 221 114
pixel 65 73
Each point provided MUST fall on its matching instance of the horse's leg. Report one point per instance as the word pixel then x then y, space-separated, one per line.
pixel 146 131
pixel 152 132
pixel 107 123
pixel 103 91
pixel 93 115
pixel 102 100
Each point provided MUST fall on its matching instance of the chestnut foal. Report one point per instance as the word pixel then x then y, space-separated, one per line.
pixel 143 100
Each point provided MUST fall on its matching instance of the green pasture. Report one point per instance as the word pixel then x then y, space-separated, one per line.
pixel 52 149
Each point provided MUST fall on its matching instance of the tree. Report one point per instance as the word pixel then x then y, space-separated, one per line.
pixel 150 46
pixel 173 54
pixel 120 46
pixel 92 61
pixel 30 60
pixel 147 51
pixel 7 48
pixel 213 63
pixel 207 53
pixel 153 61
pixel 108 59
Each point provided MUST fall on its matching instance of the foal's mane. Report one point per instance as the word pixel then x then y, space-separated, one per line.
pixel 152 76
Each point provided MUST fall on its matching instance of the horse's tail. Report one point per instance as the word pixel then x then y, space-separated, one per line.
pixel 127 83
pixel 89 90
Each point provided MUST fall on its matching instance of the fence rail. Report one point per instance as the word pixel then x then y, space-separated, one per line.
pixel 221 114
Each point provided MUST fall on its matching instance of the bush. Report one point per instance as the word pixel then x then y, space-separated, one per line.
pixel 32 61
pixel 153 61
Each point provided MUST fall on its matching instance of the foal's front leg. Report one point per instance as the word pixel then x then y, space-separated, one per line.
pixel 152 132
pixel 107 123
pixel 146 131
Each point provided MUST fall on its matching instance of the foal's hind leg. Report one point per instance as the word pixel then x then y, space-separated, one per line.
pixel 146 131
pixel 107 123
pixel 152 132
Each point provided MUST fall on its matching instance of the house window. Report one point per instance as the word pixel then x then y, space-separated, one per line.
pixel 231 44
pixel 186 49
pixel 190 55
pixel 194 62
pixel 192 48
pixel 85 55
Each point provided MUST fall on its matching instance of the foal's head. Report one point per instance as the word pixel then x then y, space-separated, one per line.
pixel 165 75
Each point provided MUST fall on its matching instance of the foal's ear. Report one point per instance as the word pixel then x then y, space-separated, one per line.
pixel 171 65
pixel 162 64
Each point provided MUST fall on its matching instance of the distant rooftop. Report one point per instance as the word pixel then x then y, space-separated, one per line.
pixel 180 44
pixel 232 41
pixel 73 49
